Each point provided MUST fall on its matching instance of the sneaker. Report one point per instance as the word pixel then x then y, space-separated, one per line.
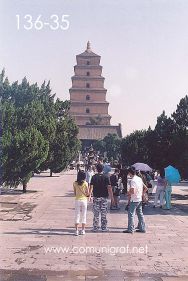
pixel 141 231
pixel 82 232
pixel 105 230
pixel 127 231
pixel 76 232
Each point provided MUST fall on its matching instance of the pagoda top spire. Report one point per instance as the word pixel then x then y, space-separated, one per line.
pixel 88 49
pixel 88 52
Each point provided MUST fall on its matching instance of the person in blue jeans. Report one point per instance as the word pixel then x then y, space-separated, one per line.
pixel 135 193
pixel 168 191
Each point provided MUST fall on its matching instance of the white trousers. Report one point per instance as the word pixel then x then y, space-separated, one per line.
pixel 159 193
pixel 80 211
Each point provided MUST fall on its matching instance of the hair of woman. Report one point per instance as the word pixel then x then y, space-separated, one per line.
pixel 81 177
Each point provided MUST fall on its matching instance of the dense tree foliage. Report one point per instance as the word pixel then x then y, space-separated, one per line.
pixel 133 148
pixel 166 144
pixel 38 133
pixel 110 145
pixel 180 144
pixel 65 145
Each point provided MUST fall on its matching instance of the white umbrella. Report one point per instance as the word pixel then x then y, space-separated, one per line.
pixel 142 167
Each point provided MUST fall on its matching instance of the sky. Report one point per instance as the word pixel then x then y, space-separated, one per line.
pixel 143 46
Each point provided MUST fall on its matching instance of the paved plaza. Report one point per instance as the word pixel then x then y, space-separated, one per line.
pixel 38 243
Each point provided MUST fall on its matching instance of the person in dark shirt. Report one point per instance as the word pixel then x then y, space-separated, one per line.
pixel 101 188
pixel 123 175
pixel 78 167
pixel 114 180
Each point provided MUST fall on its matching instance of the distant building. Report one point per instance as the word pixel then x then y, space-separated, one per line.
pixel 88 99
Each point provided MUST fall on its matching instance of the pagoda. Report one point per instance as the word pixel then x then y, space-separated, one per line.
pixel 88 102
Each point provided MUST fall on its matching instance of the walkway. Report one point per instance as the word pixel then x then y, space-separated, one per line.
pixel 35 225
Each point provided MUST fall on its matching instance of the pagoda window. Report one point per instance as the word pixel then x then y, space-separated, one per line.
pixel 87 110
pixel 87 85
pixel 88 73
pixel 87 97
pixel 88 62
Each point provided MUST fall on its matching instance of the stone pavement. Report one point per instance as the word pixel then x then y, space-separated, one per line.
pixel 37 241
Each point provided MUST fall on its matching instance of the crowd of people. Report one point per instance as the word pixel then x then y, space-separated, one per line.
pixel 97 183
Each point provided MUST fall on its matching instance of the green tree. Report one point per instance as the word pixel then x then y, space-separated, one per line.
pixel 23 152
pixel 99 146
pixel 180 116
pixel 164 137
pixel 110 144
pixel 24 141
pixel 64 146
pixel 166 144
pixel 32 124
pixel 180 145
pixel 133 148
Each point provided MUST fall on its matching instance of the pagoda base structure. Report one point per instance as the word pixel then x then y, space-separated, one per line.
pixel 88 134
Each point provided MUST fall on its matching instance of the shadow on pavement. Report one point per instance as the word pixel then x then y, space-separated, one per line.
pixel 16 192
pixel 68 194
pixel 43 231
pixel 90 274
pixel 179 196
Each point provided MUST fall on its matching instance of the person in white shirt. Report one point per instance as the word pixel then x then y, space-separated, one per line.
pixel 135 193
pixel 89 174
